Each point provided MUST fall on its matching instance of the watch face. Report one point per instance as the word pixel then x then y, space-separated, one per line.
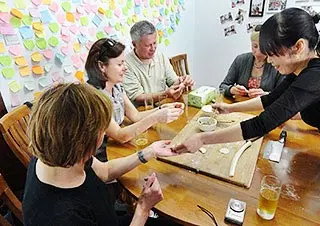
pixel 237 206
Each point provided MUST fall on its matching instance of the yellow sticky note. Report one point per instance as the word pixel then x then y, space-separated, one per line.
pixel 70 17
pixel 37 70
pixel 112 5
pixel 76 47
pixel 134 18
pixel 14 86
pixel 20 4
pixel 20 61
pixel 2 48
pixel 16 13
pixel 46 2
pixel 36 57
pixel 40 34
pixel 80 76
pixel 37 95
pixel 3 7
pixel 37 26
pixel 24 71
pixel 100 10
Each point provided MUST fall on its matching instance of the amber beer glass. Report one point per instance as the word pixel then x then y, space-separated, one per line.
pixel 268 197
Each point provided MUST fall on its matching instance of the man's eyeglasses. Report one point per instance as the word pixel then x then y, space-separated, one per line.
pixel 257 28
pixel 109 43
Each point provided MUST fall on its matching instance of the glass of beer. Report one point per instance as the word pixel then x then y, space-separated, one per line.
pixel 268 198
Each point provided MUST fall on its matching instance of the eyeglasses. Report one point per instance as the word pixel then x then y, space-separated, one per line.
pixel 257 28
pixel 109 43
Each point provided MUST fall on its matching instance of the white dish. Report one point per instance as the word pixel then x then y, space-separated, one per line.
pixel 207 124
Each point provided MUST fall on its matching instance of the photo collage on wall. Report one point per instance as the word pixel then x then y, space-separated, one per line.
pixel 229 20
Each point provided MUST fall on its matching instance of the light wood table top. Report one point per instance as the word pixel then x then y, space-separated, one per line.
pixel 298 170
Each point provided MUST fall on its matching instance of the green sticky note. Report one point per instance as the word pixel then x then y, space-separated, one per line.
pixel 176 2
pixel 166 42
pixel 53 41
pixel 28 44
pixel 159 39
pixel 5 60
pixel 14 86
pixel 66 6
pixel 170 31
pixel 109 13
pixel 54 27
pixel 173 8
pixel 166 12
pixel 84 21
pixel 15 22
pixel 129 4
pixel 162 2
pixel 177 20
pixel 100 35
pixel 151 3
pixel 7 72
pixel 40 34
pixel 20 4
pixel 118 26
pixel 145 12
pixel 125 11
pixel 129 21
pixel 3 7
pixel 27 20
pixel 41 43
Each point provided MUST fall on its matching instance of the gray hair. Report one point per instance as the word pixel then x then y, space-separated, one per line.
pixel 140 29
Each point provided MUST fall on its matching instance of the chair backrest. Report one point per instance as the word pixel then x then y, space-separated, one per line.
pixel 10 200
pixel 13 127
pixel 180 64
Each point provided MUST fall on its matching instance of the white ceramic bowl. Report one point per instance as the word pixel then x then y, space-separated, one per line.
pixel 207 124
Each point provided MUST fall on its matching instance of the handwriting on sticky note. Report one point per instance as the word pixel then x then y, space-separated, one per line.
pixel 37 70
pixel 36 57
pixel 5 60
pixel 7 72
pixel 24 71
pixel 14 86
pixel 20 61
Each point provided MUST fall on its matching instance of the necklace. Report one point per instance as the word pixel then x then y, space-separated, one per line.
pixel 258 66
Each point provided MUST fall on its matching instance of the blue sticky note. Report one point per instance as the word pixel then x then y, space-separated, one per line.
pixel 159 26
pixel 59 58
pixel 172 18
pixel 173 27
pixel 26 32
pixel 82 39
pixel 162 12
pixel 137 10
pixel 76 1
pixel 45 16
pixel 96 20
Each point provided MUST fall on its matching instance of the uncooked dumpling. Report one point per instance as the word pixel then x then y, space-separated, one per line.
pixel 224 151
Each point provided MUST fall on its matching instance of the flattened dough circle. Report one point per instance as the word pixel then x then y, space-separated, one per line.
pixel 224 151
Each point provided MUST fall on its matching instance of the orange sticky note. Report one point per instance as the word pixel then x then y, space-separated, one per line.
pixel 100 10
pixel 80 76
pixel 37 70
pixel 16 13
pixel 20 61
pixel 37 26
pixel 2 48
pixel 24 71
pixel 36 57
pixel 37 95
pixel 70 17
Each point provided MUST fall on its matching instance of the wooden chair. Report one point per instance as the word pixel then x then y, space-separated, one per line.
pixel 13 127
pixel 180 64
pixel 11 201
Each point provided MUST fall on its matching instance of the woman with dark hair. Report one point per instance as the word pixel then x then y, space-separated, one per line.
pixel 250 74
pixel 105 67
pixel 290 39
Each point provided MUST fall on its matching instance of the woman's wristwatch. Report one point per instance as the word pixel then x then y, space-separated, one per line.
pixel 141 157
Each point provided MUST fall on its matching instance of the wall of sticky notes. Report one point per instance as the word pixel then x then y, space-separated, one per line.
pixel 47 41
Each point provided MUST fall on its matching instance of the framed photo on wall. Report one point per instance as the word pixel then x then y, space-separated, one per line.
pixel 275 6
pixel 256 8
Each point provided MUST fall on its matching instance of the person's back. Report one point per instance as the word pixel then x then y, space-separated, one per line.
pixel 87 204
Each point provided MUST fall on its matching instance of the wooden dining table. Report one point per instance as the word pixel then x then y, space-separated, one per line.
pixel 183 190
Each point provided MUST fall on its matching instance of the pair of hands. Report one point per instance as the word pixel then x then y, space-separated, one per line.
pixel 176 90
pixel 169 112
pixel 242 91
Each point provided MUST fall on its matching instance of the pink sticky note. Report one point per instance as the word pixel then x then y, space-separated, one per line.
pixel 61 18
pixel 36 2
pixel 66 38
pixel 6 29
pixel 56 77
pixel 145 3
pixel 108 29
pixel 15 50
pixel 92 31
pixel 76 61
pixel 77 16
pixel 80 9
pixel 65 50
pixel 87 8
pixel 48 54
pixel 83 57
pixel 137 2
pixel 34 12
pixel 54 7
pixel 94 8
pixel 5 17
pixel 73 28
pixel 64 30
pixel 117 12
pixel 15 99
pixel 88 45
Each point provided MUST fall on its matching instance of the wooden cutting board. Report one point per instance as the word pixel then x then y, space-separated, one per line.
pixel 213 162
